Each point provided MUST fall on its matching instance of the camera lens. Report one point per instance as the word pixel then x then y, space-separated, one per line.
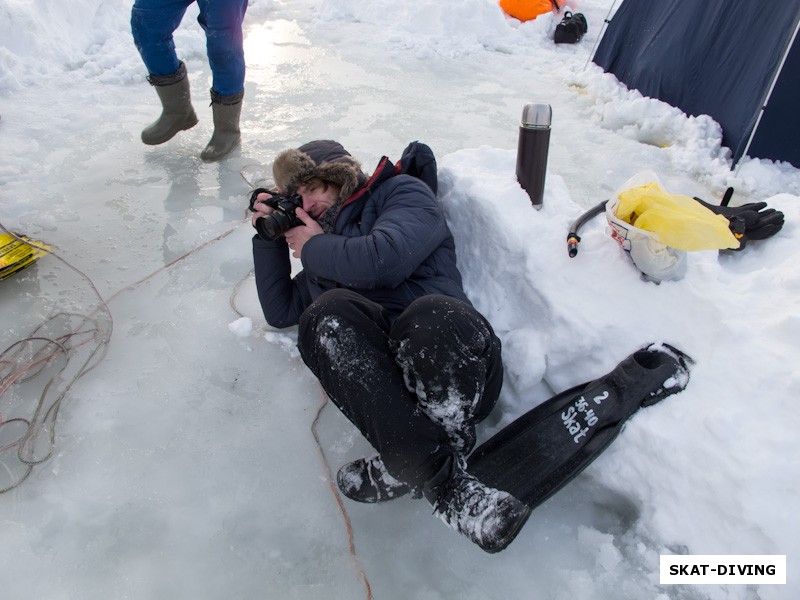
pixel 273 226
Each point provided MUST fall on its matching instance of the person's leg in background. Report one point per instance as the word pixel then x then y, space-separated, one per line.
pixel 222 23
pixel 153 23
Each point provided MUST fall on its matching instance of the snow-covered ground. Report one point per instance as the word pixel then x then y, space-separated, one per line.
pixel 194 458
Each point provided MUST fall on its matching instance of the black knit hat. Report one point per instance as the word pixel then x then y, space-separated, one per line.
pixel 325 159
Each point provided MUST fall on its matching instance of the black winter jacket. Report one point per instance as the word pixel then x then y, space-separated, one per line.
pixel 390 243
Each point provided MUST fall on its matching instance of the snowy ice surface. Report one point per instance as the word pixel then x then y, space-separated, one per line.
pixel 195 459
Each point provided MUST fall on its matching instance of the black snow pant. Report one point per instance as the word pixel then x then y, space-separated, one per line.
pixel 404 383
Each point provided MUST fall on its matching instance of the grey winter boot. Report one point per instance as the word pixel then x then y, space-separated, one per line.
pixel 177 111
pixel 488 517
pixel 367 480
pixel 226 137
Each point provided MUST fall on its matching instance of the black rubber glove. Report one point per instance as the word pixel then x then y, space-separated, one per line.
pixel 753 221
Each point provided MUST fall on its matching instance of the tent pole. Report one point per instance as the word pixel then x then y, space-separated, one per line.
pixel 600 35
pixel 766 100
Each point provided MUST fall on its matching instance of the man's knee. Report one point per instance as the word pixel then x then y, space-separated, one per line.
pixel 434 318
pixel 346 304
pixel 330 303
pixel 332 314
pixel 309 323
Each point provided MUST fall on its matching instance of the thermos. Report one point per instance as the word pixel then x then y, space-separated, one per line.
pixel 534 143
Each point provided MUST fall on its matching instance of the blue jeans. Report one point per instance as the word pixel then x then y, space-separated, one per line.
pixel 154 21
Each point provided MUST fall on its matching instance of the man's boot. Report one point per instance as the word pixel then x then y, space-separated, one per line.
pixel 490 518
pixel 367 480
pixel 177 111
pixel 226 137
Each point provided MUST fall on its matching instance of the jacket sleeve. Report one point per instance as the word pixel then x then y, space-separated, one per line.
pixel 282 298
pixel 409 227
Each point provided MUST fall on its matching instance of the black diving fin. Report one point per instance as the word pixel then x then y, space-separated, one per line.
pixel 541 451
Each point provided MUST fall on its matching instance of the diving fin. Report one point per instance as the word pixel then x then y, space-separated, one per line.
pixel 541 451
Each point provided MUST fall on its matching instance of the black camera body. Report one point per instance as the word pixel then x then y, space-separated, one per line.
pixel 283 217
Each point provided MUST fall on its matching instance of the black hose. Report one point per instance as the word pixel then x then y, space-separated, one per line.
pixel 572 236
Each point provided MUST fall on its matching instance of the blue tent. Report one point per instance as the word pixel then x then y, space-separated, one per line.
pixel 737 61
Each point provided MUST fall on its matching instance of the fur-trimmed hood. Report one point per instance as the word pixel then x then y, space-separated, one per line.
pixel 324 159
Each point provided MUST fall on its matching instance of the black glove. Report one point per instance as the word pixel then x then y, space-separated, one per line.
pixel 753 221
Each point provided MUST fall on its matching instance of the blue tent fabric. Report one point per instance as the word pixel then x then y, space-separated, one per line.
pixel 714 57
pixel 778 134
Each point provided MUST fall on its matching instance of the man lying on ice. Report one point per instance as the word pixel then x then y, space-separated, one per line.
pixel 385 325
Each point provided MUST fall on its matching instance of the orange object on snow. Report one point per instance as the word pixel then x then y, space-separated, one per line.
pixel 525 10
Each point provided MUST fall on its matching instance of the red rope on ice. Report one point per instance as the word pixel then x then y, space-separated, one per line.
pixel 15 375
pixel 345 516
pixel 17 367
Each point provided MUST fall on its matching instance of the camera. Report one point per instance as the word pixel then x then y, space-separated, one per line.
pixel 283 217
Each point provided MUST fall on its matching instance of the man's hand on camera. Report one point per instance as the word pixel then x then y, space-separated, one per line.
pixel 298 236
pixel 259 208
